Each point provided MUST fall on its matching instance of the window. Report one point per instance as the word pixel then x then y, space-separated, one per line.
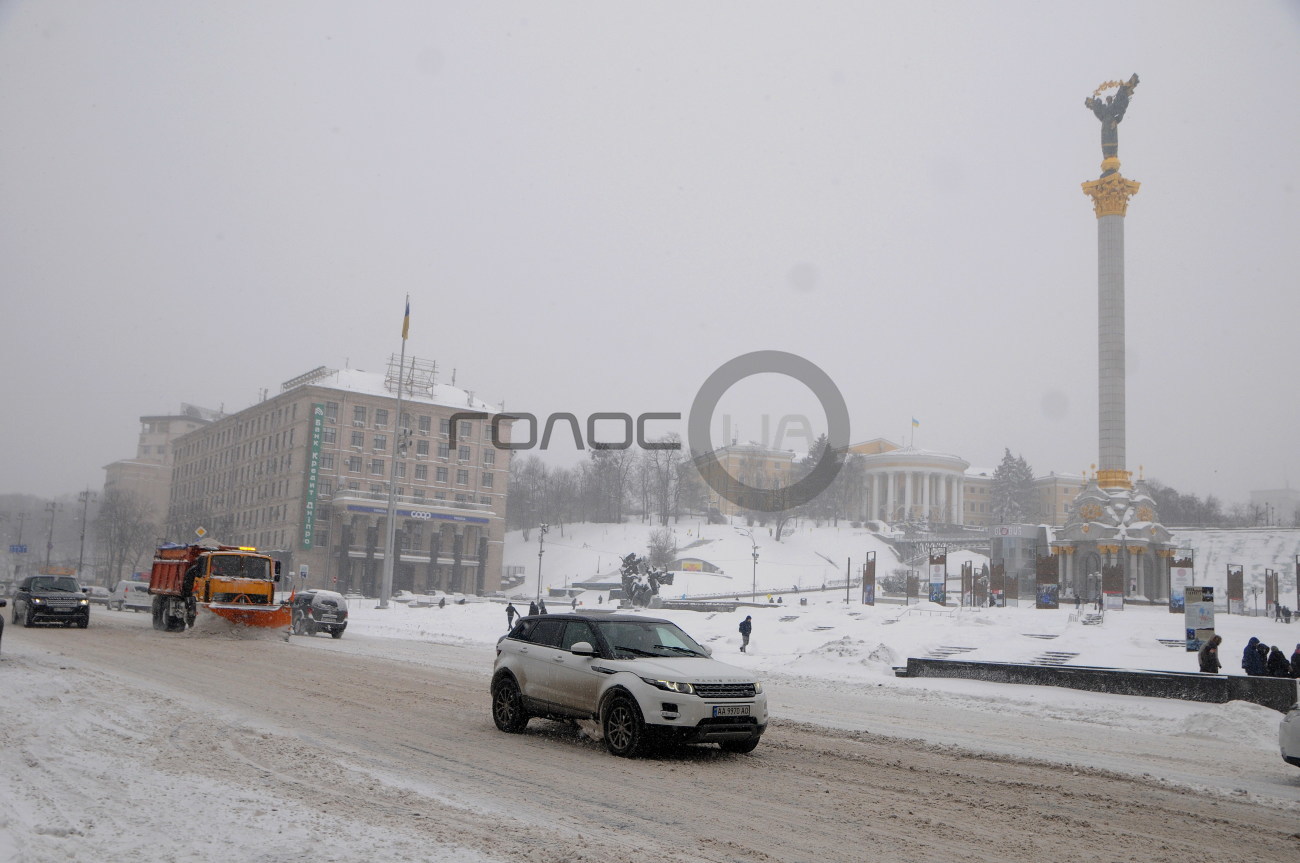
pixel 381 417
pixel 486 480
pixel 327 461
pixel 444 425
pixel 326 489
pixel 359 415
pixel 462 477
pixel 376 488
pixel 354 464
pixel 426 424
pixel 443 451
pixel 485 500
pixel 489 456
pixel 332 411
pixel 422 447
pixel 379 443
pixel 400 467
pixel 440 475
pixel 405 420
pixel 329 435
pixel 462 453
pixel 466 428
pixel 439 495
pixel 376 467
pixel 358 439
pixel 419 494
pixel 422 471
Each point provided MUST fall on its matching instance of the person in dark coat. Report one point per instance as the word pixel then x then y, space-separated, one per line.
pixel 1295 662
pixel 746 627
pixel 532 609
pixel 541 607
pixel 511 611
pixel 1251 661
pixel 1277 664
pixel 1209 655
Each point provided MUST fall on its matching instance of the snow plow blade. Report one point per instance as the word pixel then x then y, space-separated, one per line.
pixel 269 617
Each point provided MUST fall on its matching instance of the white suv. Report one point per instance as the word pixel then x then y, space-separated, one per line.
pixel 641 680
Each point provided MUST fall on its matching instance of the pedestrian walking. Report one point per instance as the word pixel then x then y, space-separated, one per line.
pixel 442 602
pixel 1295 662
pixel 1277 664
pixel 746 627
pixel 574 604
pixel 541 607
pixel 1251 661
pixel 1209 655
pixel 511 612
pixel 1078 601
pixel 532 609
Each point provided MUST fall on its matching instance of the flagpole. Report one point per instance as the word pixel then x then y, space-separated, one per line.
pixel 386 586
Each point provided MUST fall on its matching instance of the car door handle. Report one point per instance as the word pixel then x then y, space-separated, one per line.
pixel 559 658
pixel 523 650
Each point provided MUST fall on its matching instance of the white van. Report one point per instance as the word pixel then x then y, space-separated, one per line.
pixel 131 594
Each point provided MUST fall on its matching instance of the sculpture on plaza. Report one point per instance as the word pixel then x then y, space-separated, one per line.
pixel 641 581
pixel 1110 112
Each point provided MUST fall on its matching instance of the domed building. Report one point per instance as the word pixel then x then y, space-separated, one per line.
pixel 907 484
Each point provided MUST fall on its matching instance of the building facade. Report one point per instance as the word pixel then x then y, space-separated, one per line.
pixel 148 475
pixel 305 475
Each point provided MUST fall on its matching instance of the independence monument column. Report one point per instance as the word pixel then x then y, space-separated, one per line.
pixel 1110 195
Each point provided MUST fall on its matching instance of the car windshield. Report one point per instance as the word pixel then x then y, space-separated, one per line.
pixel 240 566
pixel 68 584
pixel 629 638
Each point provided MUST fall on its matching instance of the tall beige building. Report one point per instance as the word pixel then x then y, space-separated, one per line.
pixel 148 476
pixel 304 474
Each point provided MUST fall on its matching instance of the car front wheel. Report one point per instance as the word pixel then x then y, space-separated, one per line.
pixel 625 732
pixel 508 706
pixel 29 619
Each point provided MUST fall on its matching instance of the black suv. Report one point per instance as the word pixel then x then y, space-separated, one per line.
pixel 319 611
pixel 46 598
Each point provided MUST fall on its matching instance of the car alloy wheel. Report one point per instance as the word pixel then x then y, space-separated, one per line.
pixel 508 705
pixel 625 733
pixel 740 746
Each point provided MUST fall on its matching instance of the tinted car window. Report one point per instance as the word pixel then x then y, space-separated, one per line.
pixel 546 632
pixel 575 631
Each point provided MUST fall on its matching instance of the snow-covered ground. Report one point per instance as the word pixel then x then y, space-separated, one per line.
pixel 811 655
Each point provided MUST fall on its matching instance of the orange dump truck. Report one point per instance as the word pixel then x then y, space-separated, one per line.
pixel 230 583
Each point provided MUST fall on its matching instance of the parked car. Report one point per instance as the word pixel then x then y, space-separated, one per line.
pixel 316 611
pixel 644 682
pixel 131 594
pixel 1288 736
pixel 51 598
pixel 98 595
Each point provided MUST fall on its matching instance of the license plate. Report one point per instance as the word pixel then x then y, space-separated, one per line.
pixel 731 710
pixel 330 618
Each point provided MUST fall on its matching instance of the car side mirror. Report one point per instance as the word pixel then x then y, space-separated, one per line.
pixel 85 590
pixel 583 648
pixel 277 569
pixel 3 603
pixel 708 651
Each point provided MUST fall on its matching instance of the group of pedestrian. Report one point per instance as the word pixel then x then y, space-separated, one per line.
pixel 1281 613
pixel 1260 660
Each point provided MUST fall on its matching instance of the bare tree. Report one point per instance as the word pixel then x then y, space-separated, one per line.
pixel 126 528
pixel 662 545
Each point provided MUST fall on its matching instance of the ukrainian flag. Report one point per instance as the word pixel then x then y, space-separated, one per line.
pixel 406 324
pixel 915 424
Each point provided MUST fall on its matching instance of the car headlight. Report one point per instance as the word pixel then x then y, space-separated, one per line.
pixel 758 687
pixel 36 600
pixel 84 602
pixel 671 686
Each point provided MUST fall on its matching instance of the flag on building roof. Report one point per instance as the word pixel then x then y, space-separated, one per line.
pixel 406 321
pixel 915 424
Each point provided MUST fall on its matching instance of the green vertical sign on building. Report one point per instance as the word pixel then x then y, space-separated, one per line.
pixel 313 468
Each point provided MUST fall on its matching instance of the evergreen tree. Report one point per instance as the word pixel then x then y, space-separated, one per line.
pixel 1013 490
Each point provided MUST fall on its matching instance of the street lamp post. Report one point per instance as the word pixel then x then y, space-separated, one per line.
pixel 85 497
pixel 51 508
pixel 541 532
pixel 746 532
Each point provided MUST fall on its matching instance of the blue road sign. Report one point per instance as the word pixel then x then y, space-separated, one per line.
pixel 17 549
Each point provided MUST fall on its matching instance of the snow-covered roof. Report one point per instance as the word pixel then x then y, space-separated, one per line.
pixel 374 383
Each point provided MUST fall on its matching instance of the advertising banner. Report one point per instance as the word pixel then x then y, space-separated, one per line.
pixel 313 470
pixel 1198 616
pixel 939 577
pixel 1270 593
pixel 982 586
pixel 1047 582
pixel 1236 590
pixel 1180 576
pixel 869 579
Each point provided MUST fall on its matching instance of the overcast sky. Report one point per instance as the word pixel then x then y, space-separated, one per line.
pixel 595 205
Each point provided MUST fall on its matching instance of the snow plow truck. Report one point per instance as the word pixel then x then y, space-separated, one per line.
pixel 226 583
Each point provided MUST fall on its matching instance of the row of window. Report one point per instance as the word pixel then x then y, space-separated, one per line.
pixel 379 443
pixel 424 423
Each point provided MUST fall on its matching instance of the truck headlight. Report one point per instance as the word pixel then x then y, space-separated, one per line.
pixel 670 686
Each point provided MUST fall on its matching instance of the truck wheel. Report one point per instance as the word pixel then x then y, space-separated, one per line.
pixel 174 615
pixel 625 734
pixel 158 613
